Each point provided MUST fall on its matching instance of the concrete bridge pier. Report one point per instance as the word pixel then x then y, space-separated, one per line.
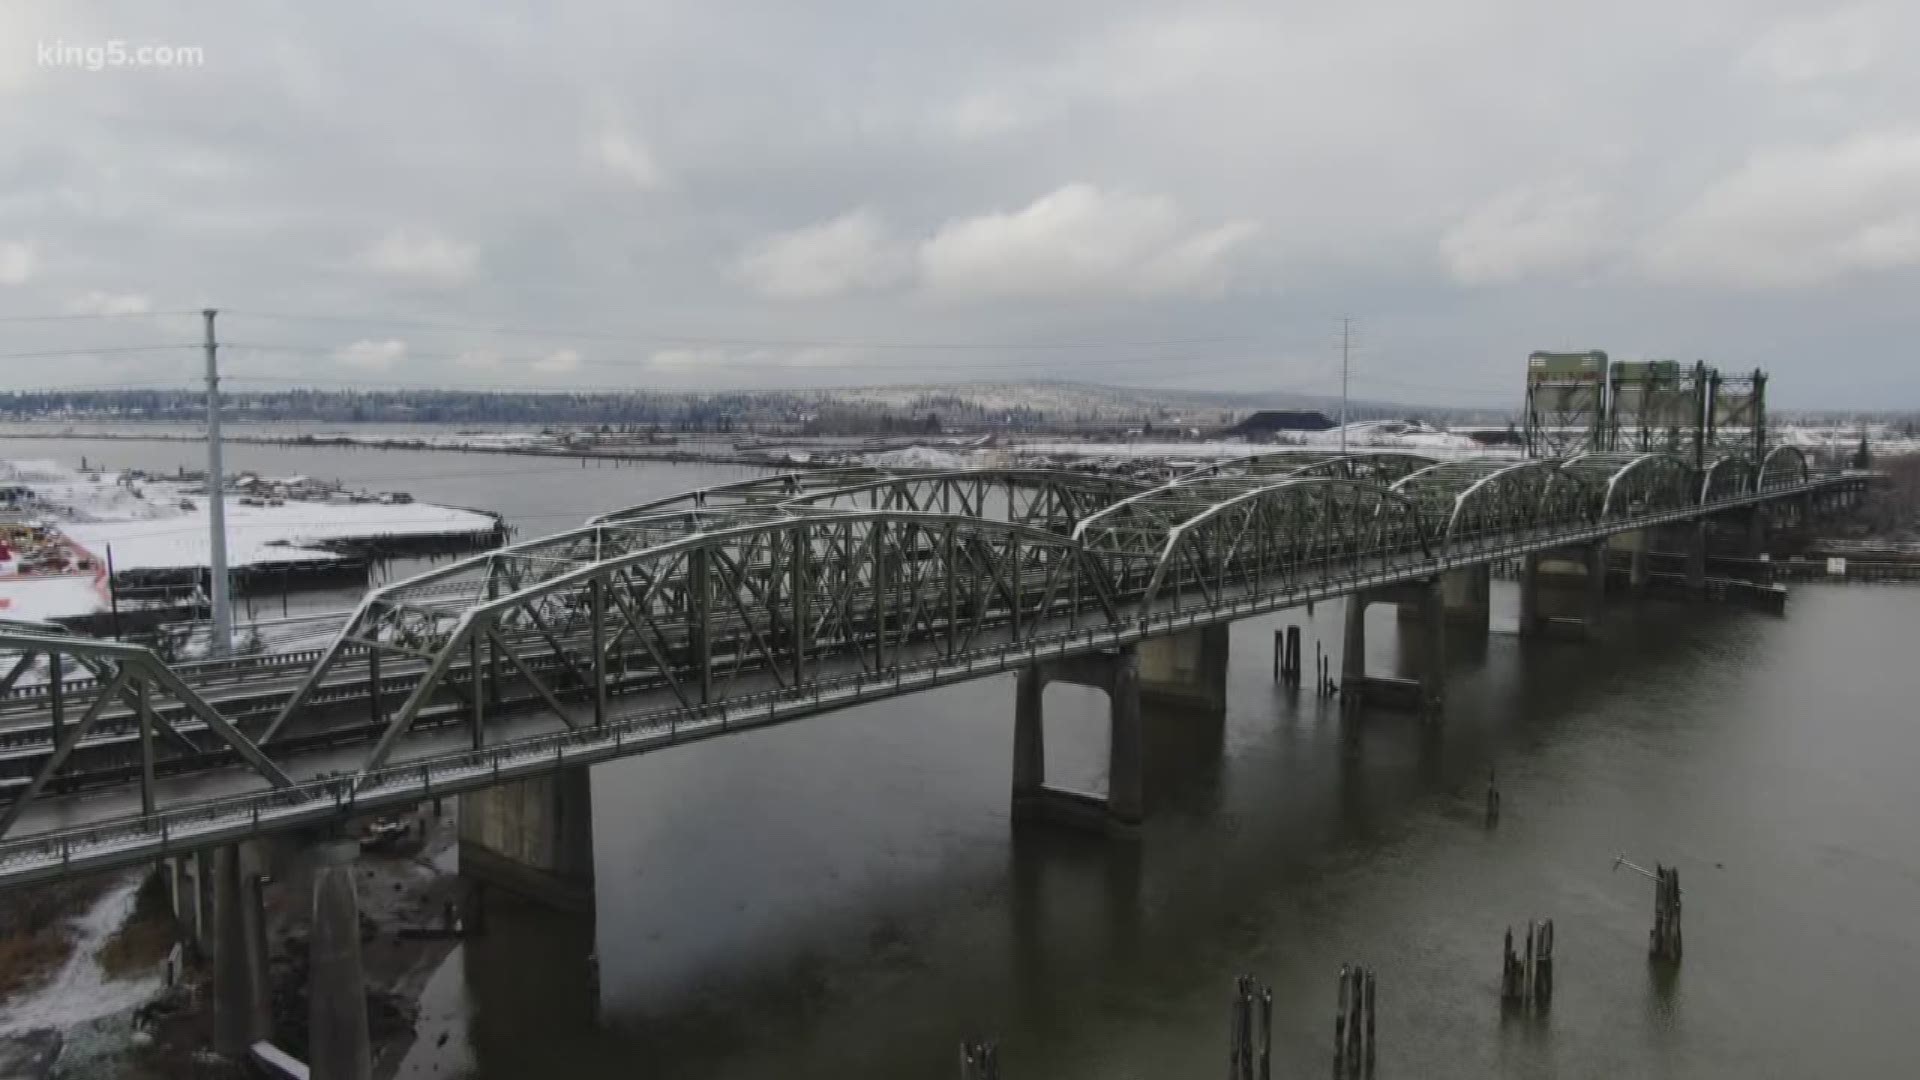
pixel 1186 670
pixel 190 879
pixel 1466 598
pixel 1424 604
pixel 1754 542
pixel 1634 543
pixel 338 1042
pixel 1563 591
pixel 533 837
pixel 242 1013
pixel 1694 541
pixel 1122 808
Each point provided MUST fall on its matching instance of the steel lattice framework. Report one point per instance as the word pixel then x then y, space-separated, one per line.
pixel 784 595
pixel 1784 466
pixel 1471 500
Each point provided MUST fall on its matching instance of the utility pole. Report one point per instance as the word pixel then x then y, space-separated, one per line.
pixel 222 640
pixel 1346 352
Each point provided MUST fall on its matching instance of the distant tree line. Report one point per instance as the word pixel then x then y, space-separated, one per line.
pixel 811 413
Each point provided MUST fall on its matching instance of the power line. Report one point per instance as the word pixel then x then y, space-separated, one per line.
pixel 93 315
pixel 630 364
pixel 658 338
pixel 111 350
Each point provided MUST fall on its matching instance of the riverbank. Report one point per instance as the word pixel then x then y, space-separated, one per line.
pixel 105 1008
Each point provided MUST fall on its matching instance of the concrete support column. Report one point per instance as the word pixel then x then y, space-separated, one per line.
pixel 1634 543
pixel 1029 736
pixel 1596 585
pixel 337 1038
pixel 1466 596
pixel 1433 648
pixel 1563 592
pixel 240 1007
pixel 1123 806
pixel 1353 648
pixel 1186 670
pixel 1422 605
pixel 1755 544
pixel 533 837
pixel 1694 536
pixel 1126 769
pixel 202 867
pixel 1531 622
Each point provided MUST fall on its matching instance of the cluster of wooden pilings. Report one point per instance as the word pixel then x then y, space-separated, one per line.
pixel 1526 980
pixel 1353 1023
pixel 1288 663
pixel 979 1060
pixel 1286 656
pixel 1250 1039
pixel 1663 941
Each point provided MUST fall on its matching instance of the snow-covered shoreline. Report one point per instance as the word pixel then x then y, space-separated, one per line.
pixel 147 525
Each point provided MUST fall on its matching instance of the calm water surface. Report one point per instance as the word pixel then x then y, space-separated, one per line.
pixel 844 897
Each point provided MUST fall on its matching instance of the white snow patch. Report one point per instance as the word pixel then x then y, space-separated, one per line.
pixel 51 597
pixel 158 524
pixel 923 457
pixel 82 991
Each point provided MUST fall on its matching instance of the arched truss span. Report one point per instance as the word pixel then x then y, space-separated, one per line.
pixel 410 615
pixel 762 606
pixel 1052 499
pixel 1782 467
pixel 1728 478
pixel 753 491
pixel 1373 466
pixel 1475 499
pixel 1180 552
pixel 1629 484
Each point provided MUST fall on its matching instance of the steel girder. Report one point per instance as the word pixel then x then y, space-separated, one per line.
pixel 1052 499
pixel 753 491
pixel 409 619
pixel 1137 525
pixel 774 599
pixel 1728 477
pixel 1474 499
pixel 1783 466
pixel 1195 538
pixel 1374 466
pixel 122 674
pixel 1630 484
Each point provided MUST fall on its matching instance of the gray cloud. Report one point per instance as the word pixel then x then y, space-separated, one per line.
pixel 759 193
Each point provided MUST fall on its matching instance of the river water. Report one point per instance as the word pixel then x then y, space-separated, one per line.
pixel 844 897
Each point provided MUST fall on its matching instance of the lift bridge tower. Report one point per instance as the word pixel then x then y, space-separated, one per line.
pixel 1578 402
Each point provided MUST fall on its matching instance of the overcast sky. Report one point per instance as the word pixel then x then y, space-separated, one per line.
pixel 771 193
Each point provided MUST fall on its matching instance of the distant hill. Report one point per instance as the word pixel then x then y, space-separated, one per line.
pixel 993 404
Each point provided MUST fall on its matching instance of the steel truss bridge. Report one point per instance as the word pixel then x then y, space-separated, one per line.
pixel 756 603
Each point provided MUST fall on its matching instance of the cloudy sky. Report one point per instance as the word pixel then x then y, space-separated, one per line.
pixel 766 193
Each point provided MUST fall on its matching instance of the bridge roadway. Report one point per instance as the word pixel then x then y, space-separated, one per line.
pixel 763 602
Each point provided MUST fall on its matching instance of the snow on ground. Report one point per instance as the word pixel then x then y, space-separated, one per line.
pixel 162 525
pixel 925 457
pixel 263 534
pixel 82 991
pixel 52 597
pixel 1360 437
